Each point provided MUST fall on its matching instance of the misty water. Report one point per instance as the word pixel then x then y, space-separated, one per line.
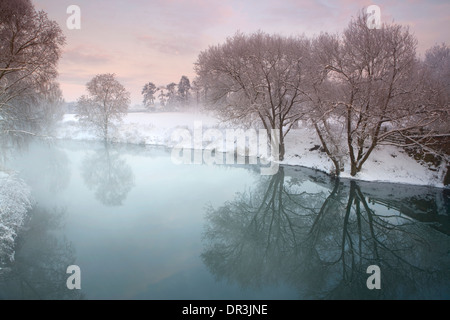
pixel 142 227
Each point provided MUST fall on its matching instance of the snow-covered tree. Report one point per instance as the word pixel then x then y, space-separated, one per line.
pixel 15 202
pixel 366 86
pixel 148 92
pixel 256 78
pixel 106 103
pixel 437 67
pixel 30 47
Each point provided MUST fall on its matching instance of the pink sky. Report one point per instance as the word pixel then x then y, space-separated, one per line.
pixel 159 41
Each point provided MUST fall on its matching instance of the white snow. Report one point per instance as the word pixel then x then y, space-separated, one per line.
pixel 387 163
pixel 15 201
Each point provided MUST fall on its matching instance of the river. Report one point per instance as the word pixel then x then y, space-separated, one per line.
pixel 140 226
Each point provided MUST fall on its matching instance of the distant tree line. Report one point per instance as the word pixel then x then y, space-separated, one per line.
pixel 171 97
pixel 108 101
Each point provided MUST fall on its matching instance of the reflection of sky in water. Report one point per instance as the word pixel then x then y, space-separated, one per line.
pixel 153 237
pixel 150 246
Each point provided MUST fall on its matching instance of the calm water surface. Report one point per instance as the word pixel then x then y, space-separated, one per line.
pixel 141 227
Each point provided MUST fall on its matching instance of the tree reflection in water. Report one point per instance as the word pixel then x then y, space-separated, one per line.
pixel 42 257
pixel 321 238
pixel 108 175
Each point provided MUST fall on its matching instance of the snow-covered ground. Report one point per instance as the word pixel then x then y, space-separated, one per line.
pixel 387 163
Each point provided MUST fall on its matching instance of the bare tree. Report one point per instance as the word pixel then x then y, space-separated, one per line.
pixel 437 67
pixel 107 102
pixel 323 90
pixel 256 79
pixel 30 47
pixel 370 87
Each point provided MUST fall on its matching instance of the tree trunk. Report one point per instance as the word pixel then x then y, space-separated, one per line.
pixel 354 169
pixel 105 132
pixel 335 161
pixel 105 138
pixel 282 150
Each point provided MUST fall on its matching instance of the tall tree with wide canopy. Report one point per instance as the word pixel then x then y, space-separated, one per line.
pixel 365 87
pixel 256 78
pixel 30 48
pixel 105 105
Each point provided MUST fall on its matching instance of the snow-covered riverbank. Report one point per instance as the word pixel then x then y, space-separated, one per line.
pixel 15 202
pixel 387 163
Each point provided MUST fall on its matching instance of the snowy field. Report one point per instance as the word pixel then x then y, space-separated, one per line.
pixel 387 163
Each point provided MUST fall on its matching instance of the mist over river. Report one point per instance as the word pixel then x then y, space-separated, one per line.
pixel 140 226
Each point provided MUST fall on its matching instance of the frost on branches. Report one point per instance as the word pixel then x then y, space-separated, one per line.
pixel 15 201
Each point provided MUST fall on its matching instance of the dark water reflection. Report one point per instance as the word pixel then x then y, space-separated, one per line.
pixel 42 256
pixel 137 225
pixel 108 175
pixel 321 242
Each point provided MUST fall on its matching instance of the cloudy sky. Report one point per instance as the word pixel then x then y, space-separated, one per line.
pixel 159 40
